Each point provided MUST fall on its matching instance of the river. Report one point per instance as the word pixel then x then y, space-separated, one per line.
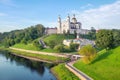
pixel 17 68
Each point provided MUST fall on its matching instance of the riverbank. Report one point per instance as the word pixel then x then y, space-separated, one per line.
pixel 38 57
pixel 62 73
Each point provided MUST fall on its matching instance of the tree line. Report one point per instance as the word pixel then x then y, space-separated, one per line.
pixel 22 36
pixel 108 38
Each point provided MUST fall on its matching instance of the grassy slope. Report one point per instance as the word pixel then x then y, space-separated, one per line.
pixel 58 37
pixel 46 38
pixel 63 73
pixel 25 46
pixel 32 47
pixel 105 67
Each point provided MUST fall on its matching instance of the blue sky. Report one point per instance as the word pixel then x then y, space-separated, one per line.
pixel 19 14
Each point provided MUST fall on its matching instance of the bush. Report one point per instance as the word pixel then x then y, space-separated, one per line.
pixel 52 44
pixel 89 53
pixel 59 48
pixel 74 47
pixel 67 49
pixel 37 45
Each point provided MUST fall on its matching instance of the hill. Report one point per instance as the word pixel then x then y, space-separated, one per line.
pixel 25 36
pixel 105 67
pixel 57 37
pixel 46 38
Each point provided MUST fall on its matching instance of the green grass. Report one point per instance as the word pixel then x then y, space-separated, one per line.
pixel 105 67
pixel 48 50
pixel 25 46
pixel 32 47
pixel 46 38
pixel 63 73
pixel 39 56
pixel 58 37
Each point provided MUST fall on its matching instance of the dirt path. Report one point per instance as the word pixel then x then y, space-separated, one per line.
pixel 38 52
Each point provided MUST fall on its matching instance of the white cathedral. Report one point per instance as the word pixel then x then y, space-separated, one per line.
pixel 71 25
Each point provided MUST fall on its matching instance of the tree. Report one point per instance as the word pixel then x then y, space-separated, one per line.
pixel 93 30
pixel 73 46
pixel 88 52
pixel 116 37
pixel 59 48
pixel 75 33
pixel 37 45
pixel 104 39
pixel 52 43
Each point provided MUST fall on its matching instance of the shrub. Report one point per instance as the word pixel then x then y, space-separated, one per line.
pixel 74 47
pixel 88 52
pixel 67 49
pixel 59 48
pixel 52 44
pixel 37 45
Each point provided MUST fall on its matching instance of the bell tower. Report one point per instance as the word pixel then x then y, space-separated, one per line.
pixel 59 25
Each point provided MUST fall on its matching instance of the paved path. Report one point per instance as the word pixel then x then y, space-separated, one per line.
pixel 38 52
pixel 77 72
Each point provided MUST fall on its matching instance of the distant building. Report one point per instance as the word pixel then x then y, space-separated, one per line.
pixel 71 25
pixel 81 42
pixel 50 30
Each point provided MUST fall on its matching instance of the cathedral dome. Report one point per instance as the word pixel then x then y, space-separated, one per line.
pixel 74 20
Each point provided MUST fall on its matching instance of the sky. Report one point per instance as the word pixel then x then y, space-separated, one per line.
pixel 20 14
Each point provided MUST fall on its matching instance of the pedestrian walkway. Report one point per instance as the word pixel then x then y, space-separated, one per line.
pixel 77 72
pixel 38 52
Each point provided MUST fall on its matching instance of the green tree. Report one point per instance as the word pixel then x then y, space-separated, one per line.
pixel 104 39
pixel 88 52
pixel 73 46
pixel 52 43
pixel 116 37
pixel 59 48
pixel 37 45
pixel 75 33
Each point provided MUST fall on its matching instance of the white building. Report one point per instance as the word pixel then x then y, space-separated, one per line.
pixel 81 42
pixel 51 31
pixel 71 25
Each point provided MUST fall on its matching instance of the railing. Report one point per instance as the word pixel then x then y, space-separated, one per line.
pixel 79 72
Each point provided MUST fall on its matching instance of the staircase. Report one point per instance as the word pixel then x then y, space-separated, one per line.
pixel 42 43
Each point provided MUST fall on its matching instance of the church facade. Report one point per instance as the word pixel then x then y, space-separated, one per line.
pixel 71 25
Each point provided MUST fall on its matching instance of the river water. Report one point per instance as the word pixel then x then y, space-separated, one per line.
pixel 17 68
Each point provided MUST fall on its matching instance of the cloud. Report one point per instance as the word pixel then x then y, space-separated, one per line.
pixel 86 6
pixel 7 2
pixel 3 14
pixel 106 16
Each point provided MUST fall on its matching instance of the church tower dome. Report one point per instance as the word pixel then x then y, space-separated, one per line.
pixel 74 20
pixel 68 18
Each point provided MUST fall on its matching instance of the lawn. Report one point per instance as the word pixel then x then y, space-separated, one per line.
pixel 105 67
pixel 63 73
pixel 32 47
pixel 58 37
pixel 25 46
pixel 40 56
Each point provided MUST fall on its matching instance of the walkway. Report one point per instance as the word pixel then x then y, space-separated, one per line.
pixel 38 52
pixel 77 72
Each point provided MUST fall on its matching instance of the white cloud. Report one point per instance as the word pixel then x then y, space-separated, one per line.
pixel 7 2
pixel 86 6
pixel 107 16
pixel 3 14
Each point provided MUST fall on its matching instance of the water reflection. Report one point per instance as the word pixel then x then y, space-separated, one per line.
pixel 42 69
